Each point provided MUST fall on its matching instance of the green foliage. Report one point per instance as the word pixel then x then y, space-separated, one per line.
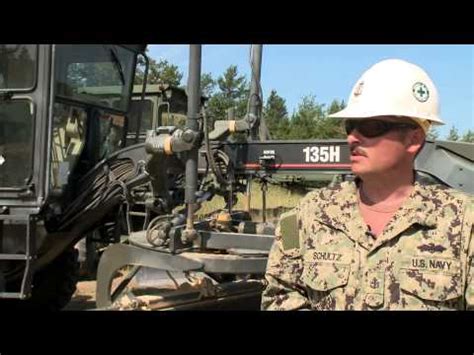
pixel 275 115
pixel 453 134
pixel 208 84
pixel 160 71
pixel 433 134
pixel 232 93
pixel 311 121
pixel 93 74
pixel 468 137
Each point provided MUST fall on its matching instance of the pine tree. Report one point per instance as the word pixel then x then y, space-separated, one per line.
pixel 232 93
pixel 275 114
pixel 468 137
pixel 453 134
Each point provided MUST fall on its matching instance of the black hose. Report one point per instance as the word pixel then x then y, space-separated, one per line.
pixel 210 155
pixel 104 183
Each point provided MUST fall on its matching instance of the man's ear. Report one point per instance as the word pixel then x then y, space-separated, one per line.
pixel 415 140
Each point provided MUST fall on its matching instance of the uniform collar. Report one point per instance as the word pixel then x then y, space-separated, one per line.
pixel 418 209
pixel 341 211
pixel 414 211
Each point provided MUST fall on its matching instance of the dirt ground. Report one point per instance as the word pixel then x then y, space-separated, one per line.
pixel 83 298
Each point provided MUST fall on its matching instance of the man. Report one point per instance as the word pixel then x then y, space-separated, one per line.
pixel 384 241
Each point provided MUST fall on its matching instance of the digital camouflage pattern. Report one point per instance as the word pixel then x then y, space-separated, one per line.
pixel 324 257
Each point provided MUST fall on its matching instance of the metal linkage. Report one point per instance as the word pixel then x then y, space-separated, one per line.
pixel 118 256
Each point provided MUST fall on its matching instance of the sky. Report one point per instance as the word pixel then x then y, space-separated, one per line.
pixel 329 71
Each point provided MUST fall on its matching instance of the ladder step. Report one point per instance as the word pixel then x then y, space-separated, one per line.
pixel 13 257
pixel 141 214
pixel 28 257
pixel 12 295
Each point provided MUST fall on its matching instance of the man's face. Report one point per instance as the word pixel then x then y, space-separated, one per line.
pixel 384 153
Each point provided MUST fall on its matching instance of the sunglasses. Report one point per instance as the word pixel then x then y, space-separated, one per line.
pixel 375 128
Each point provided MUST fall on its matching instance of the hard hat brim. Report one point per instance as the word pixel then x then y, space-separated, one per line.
pixel 355 114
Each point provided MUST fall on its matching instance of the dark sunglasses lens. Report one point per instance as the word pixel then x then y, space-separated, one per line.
pixel 349 126
pixel 368 129
pixel 373 128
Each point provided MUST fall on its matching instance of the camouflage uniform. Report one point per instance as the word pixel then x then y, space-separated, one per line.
pixel 325 258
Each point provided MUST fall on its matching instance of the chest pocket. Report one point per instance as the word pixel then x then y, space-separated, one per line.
pixel 325 270
pixel 433 279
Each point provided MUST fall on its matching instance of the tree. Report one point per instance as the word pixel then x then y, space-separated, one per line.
pixel 468 137
pixel 305 121
pixel 331 128
pixel 208 84
pixel 336 106
pixel 275 114
pixel 311 120
pixel 233 91
pixel 231 84
pixel 163 71
pixel 93 74
pixel 453 134
pixel 160 71
pixel 95 71
pixel 433 134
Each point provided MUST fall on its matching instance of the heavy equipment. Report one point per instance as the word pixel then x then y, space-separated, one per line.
pixel 62 111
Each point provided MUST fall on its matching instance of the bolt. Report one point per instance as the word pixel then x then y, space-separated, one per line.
pixel 188 136
pixel 189 235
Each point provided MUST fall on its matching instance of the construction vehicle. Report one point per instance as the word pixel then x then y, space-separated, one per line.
pixel 161 105
pixel 55 127
pixel 136 184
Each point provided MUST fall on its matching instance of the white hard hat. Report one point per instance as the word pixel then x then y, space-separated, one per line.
pixel 394 87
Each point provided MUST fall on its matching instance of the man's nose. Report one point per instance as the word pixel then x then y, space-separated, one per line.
pixel 354 137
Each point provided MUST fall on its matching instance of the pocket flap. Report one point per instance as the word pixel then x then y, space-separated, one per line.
pixel 325 276
pixel 436 286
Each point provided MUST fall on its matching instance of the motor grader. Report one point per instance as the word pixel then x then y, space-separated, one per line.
pixel 55 127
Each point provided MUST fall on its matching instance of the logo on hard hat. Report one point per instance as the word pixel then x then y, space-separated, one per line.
pixel 421 92
pixel 359 88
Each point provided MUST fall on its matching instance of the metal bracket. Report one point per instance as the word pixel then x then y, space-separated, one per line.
pixel 119 255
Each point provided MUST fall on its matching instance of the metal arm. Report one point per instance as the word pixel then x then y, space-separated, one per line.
pixel 253 118
pixel 255 100
pixel 194 102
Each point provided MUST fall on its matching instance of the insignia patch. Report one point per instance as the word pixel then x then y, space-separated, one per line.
pixel 421 92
